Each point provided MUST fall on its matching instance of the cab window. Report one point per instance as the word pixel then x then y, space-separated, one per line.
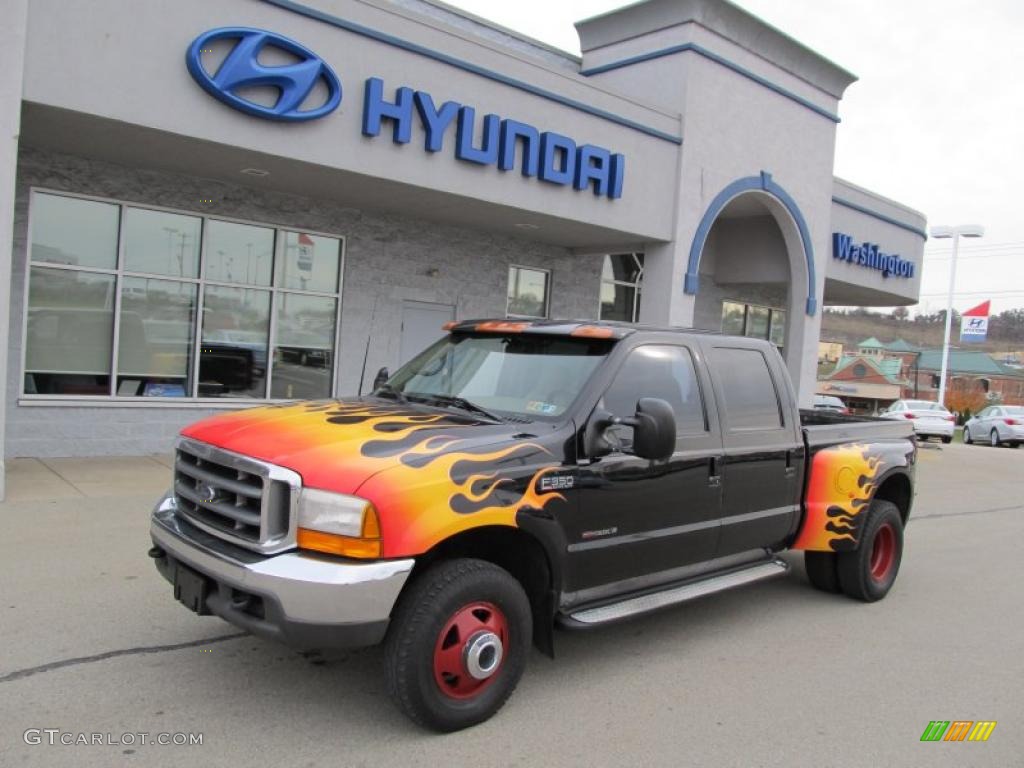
pixel 662 371
pixel 751 400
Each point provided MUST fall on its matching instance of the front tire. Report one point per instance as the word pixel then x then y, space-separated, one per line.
pixel 993 439
pixel 457 644
pixel 967 436
pixel 868 572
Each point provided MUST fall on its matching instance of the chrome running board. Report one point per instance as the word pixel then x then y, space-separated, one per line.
pixel 634 606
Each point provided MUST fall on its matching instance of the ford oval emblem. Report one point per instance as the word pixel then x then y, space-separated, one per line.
pixel 242 69
pixel 206 492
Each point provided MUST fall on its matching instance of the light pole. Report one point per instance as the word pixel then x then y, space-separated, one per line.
pixel 171 232
pixel 939 233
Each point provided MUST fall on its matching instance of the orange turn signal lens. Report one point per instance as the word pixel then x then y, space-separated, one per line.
pixel 449 325
pixel 371 523
pixel 335 544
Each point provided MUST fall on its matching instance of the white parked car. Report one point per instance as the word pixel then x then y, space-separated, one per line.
pixel 930 419
pixel 996 425
pixel 829 403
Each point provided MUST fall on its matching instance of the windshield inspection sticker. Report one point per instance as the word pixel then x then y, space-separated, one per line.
pixel 540 407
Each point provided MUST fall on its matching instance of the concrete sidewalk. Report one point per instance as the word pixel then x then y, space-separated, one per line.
pixel 55 479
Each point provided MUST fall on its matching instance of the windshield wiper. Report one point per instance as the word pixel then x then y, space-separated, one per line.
pixel 388 389
pixel 461 403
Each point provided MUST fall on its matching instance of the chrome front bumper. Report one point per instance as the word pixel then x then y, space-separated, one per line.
pixel 301 599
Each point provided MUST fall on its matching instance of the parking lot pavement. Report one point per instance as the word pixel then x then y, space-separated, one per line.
pixel 774 674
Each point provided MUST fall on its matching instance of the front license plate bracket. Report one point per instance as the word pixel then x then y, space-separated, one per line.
pixel 191 589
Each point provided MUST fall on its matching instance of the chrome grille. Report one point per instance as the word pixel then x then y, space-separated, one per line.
pixel 240 499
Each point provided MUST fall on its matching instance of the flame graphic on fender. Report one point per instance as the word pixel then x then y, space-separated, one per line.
pixel 840 490
pixel 430 475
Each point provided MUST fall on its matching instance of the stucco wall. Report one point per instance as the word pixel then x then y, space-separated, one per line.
pixel 387 261
pixel 764 280
pixel 893 227
pixel 146 47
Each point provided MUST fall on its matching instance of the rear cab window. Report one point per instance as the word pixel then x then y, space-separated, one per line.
pixel 751 398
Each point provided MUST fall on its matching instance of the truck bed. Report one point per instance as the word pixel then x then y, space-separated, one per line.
pixel 822 428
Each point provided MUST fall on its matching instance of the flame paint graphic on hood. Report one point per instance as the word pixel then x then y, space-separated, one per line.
pixel 429 474
pixel 841 485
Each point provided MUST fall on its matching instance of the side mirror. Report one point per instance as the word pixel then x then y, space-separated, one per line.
pixel 381 377
pixel 654 429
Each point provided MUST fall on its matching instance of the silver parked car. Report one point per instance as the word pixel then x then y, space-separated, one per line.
pixel 996 425
pixel 930 419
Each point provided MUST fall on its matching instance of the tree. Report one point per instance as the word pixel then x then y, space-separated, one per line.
pixel 965 400
pixel 901 313
pixel 1007 325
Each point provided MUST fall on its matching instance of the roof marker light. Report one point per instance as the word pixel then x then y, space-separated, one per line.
pixel 501 326
pixel 592 332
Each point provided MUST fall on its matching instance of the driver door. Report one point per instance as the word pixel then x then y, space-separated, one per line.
pixel 640 520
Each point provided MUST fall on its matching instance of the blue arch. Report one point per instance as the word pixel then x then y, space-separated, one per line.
pixel 763 183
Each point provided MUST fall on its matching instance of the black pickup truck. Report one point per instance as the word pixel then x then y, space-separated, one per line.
pixel 518 476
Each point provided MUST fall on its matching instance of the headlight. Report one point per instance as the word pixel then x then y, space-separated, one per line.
pixel 338 524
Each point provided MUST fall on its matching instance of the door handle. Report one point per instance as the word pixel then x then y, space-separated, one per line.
pixel 714 473
pixel 790 469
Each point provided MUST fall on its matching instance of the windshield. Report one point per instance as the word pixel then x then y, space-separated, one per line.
pixel 528 375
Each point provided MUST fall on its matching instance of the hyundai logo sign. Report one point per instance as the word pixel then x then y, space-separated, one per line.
pixel 242 69
pixel 505 143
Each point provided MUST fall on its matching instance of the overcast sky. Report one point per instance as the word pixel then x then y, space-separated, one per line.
pixel 936 120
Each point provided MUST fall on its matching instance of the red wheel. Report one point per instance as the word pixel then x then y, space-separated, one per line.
pixel 470 650
pixel 883 552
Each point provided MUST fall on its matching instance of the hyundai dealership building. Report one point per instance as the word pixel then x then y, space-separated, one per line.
pixel 214 205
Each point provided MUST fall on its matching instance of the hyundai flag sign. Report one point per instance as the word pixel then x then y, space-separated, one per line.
pixel 974 323
pixel 305 254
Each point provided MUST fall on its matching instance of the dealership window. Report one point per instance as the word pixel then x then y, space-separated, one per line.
pixel 621 279
pixel 528 292
pixel 115 290
pixel 755 321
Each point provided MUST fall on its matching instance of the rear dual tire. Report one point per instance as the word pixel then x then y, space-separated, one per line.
pixel 868 572
pixel 821 571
